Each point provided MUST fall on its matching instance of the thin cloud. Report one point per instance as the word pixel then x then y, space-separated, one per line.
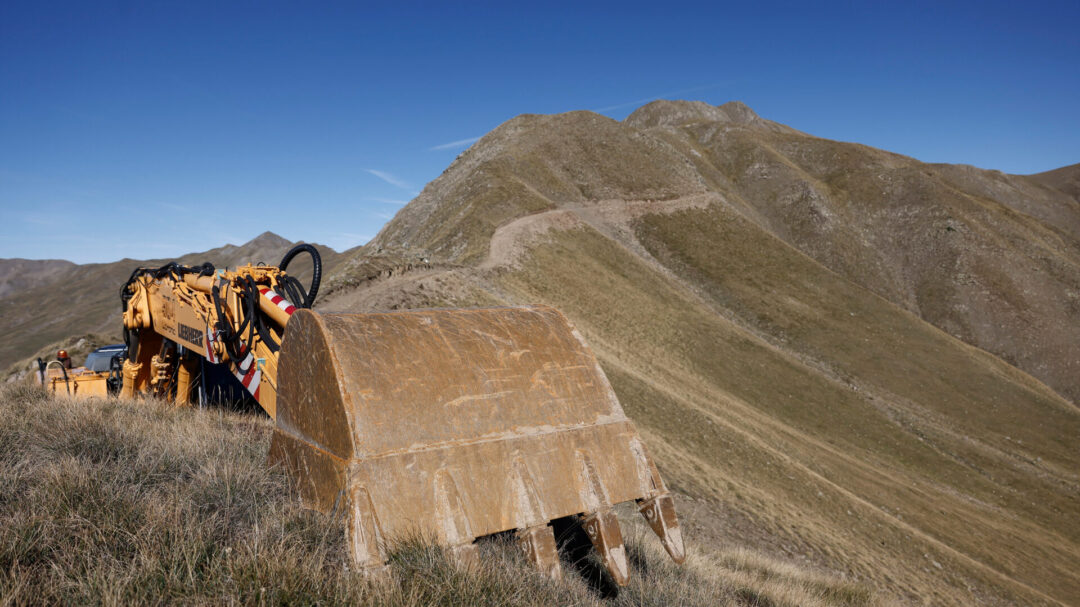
pixel 388 178
pixel 454 144
pixel 655 97
pixel 389 201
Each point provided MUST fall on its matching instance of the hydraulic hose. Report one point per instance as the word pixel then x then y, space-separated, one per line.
pixel 67 382
pixel 316 271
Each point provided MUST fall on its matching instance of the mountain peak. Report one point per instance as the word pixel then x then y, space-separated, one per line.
pixel 665 113
pixel 739 112
pixel 267 239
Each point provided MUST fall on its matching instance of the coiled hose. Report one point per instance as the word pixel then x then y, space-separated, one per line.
pixel 294 291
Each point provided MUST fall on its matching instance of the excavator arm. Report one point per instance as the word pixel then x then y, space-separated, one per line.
pixel 175 314
pixel 456 424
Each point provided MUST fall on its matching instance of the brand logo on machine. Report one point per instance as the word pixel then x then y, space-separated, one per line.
pixel 190 334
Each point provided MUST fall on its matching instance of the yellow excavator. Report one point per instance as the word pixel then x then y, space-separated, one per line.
pixel 453 424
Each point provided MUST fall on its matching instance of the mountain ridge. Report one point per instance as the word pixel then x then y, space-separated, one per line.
pixel 662 113
pixel 918 234
pixel 817 339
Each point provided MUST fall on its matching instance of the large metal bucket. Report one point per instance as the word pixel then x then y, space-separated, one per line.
pixel 456 424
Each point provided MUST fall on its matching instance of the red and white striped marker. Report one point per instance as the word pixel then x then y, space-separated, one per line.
pixel 210 355
pixel 248 372
pixel 277 300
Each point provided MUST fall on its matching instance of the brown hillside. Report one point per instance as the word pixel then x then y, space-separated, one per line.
pixel 1066 179
pixel 21 274
pixel 770 309
pixel 992 259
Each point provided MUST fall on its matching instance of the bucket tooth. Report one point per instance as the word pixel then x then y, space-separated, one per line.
pixel 602 527
pixel 660 514
pixel 538 544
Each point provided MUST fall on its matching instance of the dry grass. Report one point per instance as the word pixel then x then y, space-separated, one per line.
pixel 115 502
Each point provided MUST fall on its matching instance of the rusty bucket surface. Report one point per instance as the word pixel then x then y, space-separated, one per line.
pixel 456 424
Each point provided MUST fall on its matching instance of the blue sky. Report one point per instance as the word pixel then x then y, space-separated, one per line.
pixel 145 129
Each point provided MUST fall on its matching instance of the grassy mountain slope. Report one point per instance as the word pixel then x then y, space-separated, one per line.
pixel 770 308
pixel 21 274
pixel 912 445
pixel 1065 179
pixel 992 259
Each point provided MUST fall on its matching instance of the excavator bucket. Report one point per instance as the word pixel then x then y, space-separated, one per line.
pixel 457 424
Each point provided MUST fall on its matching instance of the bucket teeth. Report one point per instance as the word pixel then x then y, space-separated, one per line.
pixel 660 513
pixel 538 544
pixel 602 527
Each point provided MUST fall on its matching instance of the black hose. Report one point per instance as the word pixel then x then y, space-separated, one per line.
pixel 115 380
pixel 67 382
pixel 170 269
pixel 316 271
pixel 251 293
pixel 292 290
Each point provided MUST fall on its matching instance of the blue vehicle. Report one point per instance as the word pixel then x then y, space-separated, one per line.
pixel 98 361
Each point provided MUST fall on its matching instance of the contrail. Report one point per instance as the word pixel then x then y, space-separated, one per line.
pixel 454 144
pixel 388 178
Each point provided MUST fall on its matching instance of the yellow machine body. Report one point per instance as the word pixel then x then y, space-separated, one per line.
pixel 455 424
pixel 75 383
pixel 182 310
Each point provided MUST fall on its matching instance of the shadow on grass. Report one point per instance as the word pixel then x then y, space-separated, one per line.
pixel 577 550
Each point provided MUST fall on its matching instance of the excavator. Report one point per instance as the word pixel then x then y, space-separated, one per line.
pixel 454 424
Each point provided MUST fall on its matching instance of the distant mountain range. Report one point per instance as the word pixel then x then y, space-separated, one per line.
pixel 45 301
pixel 844 357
